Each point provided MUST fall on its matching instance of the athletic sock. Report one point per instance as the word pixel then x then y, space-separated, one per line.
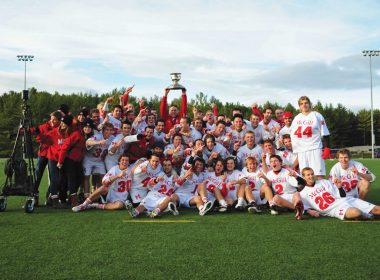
pixel 100 206
pixel 240 201
pixel 222 202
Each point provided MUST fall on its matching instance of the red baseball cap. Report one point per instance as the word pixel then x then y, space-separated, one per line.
pixel 288 115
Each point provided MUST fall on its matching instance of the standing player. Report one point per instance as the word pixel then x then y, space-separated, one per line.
pixel 142 173
pixel 159 198
pixel 271 127
pixel 355 178
pixel 256 127
pixel 322 196
pixel 307 131
pixel 284 184
pixel 93 162
pixel 117 147
pixel 116 185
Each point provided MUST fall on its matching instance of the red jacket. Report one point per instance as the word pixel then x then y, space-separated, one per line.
pixel 73 147
pixel 169 121
pixel 54 139
pixel 44 128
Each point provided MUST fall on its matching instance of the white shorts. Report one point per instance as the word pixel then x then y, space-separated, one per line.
pixel 362 205
pixel 153 200
pixel 287 196
pixel 184 199
pixel 93 167
pixel 137 195
pixel 338 210
pixel 113 196
pixel 258 199
pixel 314 160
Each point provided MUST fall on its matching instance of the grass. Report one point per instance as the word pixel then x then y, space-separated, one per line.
pixel 59 244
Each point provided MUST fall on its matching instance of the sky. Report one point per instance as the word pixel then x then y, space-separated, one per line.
pixel 238 51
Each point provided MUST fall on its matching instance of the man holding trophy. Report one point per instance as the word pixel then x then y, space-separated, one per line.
pixel 173 117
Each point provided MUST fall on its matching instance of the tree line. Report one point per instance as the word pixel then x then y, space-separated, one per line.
pixel 346 127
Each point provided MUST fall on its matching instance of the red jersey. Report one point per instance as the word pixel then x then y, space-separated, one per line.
pixel 73 147
pixel 169 121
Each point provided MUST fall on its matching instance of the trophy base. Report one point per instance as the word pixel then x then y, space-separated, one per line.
pixel 176 87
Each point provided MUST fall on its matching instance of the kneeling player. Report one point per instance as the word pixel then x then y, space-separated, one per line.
pixel 322 196
pixel 158 199
pixel 116 185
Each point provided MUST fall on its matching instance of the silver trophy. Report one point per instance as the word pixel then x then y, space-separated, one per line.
pixel 175 79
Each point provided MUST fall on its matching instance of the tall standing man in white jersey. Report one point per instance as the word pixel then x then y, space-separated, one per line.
pixel 307 132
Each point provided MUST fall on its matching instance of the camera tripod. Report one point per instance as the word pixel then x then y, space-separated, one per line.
pixel 19 168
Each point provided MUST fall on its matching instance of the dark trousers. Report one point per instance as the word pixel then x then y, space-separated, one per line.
pixel 54 177
pixel 71 175
pixel 42 162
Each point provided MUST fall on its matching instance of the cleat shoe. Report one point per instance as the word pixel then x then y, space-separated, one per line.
pixel 132 211
pixel 206 207
pixel 173 209
pixel 299 210
pixel 79 208
pixel 153 214
pixel 240 208
pixel 273 210
pixel 128 205
pixel 222 209
pixel 253 208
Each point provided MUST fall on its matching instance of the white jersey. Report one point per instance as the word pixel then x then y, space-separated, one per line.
pixel 190 185
pixel 237 136
pixel 141 179
pixel 253 180
pixel 307 131
pixel 139 127
pixel 159 136
pixel 283 131
pixel 323 196
pixel 236 175
pixel 270 132
pixel 212 181
pixel 218 148
pixel 165 187
pixel 244 152
pixel 349 179
pixel 96 152
pixel 115 122
pixel 114 157
pixel 210 126
pixel 119 189
pixel 194 135
pixel 288 157
pixel 176 156
pixel 282 182
pixel 258 131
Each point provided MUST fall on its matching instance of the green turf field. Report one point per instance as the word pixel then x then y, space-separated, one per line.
pixel 59 244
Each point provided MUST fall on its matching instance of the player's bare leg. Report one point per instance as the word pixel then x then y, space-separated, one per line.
pixel 353 213
pixel 88 203
pixel 363 188
pixel 175 199
pixel 161 207
pixel 252 205
pixel 266 192
pixel 375 210
pixel 279 201
pixel 222 202
pixel 240 193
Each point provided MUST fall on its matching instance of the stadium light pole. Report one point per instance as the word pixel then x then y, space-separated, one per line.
pixel 25 58
pixel 371 53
